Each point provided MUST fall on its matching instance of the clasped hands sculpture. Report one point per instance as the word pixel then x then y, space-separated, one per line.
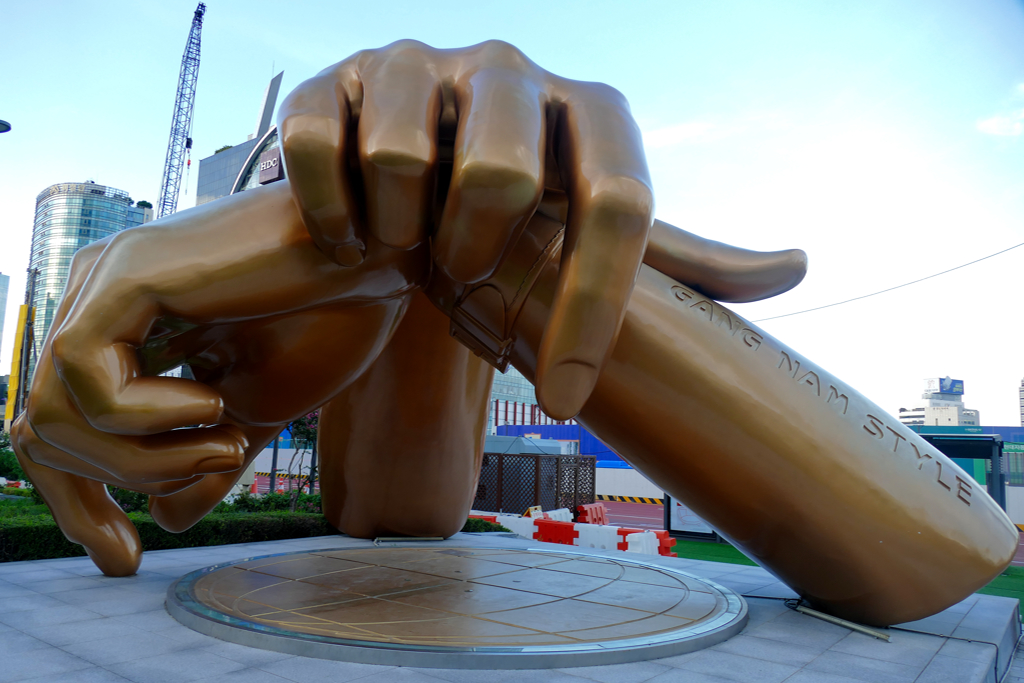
pixel 445 196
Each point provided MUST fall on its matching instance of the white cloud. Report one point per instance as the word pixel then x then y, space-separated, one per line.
pixel 1004 124
pixel 1008 123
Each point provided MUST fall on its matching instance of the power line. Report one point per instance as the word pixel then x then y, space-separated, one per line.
pixel 905 284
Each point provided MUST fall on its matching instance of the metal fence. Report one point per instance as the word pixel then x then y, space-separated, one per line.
pixel 512 482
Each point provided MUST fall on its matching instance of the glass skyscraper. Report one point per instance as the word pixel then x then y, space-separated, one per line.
pixel 68 217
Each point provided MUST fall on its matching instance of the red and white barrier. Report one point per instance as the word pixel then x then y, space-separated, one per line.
pixel 597 536
pixel 563 531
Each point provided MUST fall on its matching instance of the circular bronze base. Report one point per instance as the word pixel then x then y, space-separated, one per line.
pixel 458 607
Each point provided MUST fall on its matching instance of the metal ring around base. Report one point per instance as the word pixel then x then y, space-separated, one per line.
pixel 726 621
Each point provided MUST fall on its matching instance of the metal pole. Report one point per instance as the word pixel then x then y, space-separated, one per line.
pixel 312 467
pixel 273 466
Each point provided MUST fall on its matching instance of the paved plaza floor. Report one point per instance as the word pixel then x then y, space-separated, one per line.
pixel 62 621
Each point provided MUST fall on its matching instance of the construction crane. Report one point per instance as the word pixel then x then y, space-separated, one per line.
pixel 180 142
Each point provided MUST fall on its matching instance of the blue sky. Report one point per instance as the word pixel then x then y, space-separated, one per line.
pixel 882 137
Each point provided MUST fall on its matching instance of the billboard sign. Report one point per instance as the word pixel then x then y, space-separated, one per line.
pixel 680 519
pixel 944 385
pixel 271 169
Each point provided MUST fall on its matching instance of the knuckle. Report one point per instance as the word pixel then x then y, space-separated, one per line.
pixel 623 195
pixel 605 92
pixel 400 150
pixel 516 186
pixel 500 53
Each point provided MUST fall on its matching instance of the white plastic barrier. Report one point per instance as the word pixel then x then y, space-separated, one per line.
pixel 597 536
pixel 645 543
pixel 560 515
pixel 522 526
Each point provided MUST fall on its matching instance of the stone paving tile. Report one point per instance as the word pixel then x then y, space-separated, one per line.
pixel 58 585
pixel 403 675
pixel 682 676
pixel 798 629
pixel 46 662
pixel 500 675
pixel 46 616
pixel 31 601
pixel 94 675
pixel 154 620
pixel 13 590
pixel 804 676
pixel 27 572
pixel 768 650
pixel 975 652
pixel 127 605
pixel 865 669
pixel 80 631
pixel 738 668
pixel 183 634
pixel 304 669
pixel 245 676
pixel 123 648
pixel 86 594
pixel 944 669
pixel 249 656
pixel 175 667
pixel 636 672
pixel 912 649
pixel 16 641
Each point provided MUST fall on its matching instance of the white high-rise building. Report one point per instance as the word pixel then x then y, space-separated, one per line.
pixel 1021 393
pixel 942 405
pixel 5 281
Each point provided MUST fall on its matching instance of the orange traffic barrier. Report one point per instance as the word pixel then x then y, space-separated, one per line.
pixel 592 513
pixel 665 543
pixel 626 531
pixel 552 531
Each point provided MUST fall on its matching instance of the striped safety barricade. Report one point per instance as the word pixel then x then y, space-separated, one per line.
pixel 645 543
pixel 554 531
pixel 559 515
pixel 521 526
pixel 592 513
pixel 597 536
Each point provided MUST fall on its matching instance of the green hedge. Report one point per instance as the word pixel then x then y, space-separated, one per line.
pixel 476 525
pixel 38 538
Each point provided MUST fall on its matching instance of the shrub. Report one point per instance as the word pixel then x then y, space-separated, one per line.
pixel 38 537
pixel 477 526
pixel 276 502
pixel 24 493
pixel 9 467
pixel 129 501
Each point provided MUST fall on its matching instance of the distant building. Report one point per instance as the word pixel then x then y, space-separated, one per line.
pixel 1020 393
pixel 218 172
pixel 5 282
pixel 68 217
pixel 942 405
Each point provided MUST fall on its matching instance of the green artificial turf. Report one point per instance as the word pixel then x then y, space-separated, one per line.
pixel 1009 584
pixel 713 552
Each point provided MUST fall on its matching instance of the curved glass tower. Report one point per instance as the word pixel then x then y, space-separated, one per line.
pixel 68 217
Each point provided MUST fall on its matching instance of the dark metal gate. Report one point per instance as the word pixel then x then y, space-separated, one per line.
pixel 512 482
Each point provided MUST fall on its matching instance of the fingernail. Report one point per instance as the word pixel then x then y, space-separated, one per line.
pixel 565 388
pixel 219 463
pixel 350 255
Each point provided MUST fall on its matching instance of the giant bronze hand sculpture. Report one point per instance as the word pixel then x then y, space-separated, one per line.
pixel 536 225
